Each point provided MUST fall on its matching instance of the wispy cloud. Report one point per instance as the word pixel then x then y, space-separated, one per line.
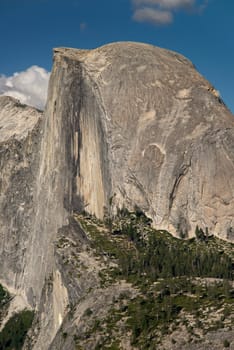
pixel 29 86
pixel 169 4
pixel 154 16
pixel 161 12
pixel 83 26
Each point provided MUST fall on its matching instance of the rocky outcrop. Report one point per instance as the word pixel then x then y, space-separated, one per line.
pixel 144 129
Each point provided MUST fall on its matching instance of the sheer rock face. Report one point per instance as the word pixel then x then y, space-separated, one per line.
pixel 141 126
pixel 19 146
pixel 29 218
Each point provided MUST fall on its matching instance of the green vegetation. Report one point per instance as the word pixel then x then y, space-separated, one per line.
pixel 4 296
pixel 164 307
pixel 180 282
pixel 142 250
pixel 88 312
pixel 226 343
pixel 13 334
pixel 4 302
pixel 162 256
pixel 156 312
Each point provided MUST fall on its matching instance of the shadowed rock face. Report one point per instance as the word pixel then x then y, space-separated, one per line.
pixel 144 127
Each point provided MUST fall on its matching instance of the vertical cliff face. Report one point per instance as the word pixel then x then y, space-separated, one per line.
pixel 148 130
pixel 72 175
pixel 75 162
pixel 33 181
pixel 19 146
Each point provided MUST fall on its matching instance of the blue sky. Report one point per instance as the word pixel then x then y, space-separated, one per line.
pixel 199 29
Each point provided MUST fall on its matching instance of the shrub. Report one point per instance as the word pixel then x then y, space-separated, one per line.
pixel 88 312
pixel 13 334
pixel 226 343
pixel 4 296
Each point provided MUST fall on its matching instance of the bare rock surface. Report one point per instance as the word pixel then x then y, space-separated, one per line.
pixel 146 129
pixel 16 120
pixel 19 140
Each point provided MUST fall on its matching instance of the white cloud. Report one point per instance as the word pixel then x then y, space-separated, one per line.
pixel 169 4
pixel 154 16
pixel 161 12
pixel 29 86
